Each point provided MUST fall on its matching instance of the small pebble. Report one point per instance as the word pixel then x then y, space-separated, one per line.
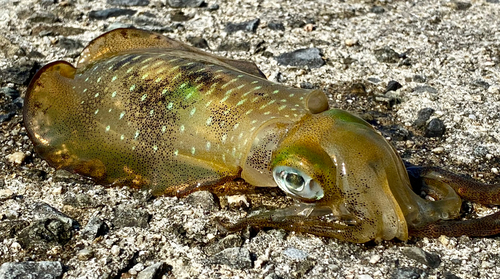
pixel 16 158
pixel 386 55
pixel 351 42
pixel 309 27
pixel 435 128
pixel 16 246
pixel 57 190
pixel 85 254
pixel 295 253
pixel 238 199
pixel 276 25
pixel 444 240
pixel 6 194
pixel 302 57
pixel 137 268
pixel 115 250
pixel 438 150
pixel 494 170
pixel 374 259
pixel 393 86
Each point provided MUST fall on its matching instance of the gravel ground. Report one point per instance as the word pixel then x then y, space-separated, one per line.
pixel 444 56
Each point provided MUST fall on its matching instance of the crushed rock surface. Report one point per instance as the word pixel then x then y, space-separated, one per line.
pixel 444 54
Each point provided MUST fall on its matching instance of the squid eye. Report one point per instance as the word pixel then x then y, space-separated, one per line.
pixel 297 183
pixel 294 181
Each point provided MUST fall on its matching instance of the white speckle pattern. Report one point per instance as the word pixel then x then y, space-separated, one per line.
pixel 228 83
pixel 241 102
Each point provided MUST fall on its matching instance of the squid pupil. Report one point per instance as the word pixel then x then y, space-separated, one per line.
pixel 294 180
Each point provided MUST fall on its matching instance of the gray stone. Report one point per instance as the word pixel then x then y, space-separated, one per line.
pixel 128 2
pixel 435 128
pixel 419 78
pixel 20 74
pixel 56 30
pixel 406 273
pixel 155 271
pixel 425 88
pixel 85 254
pixel 236 257
pixel 9 228
pixel 377 10
pixel 9 49
pixel 230 241
pixel 276 25
pixel 180 16
pixel 295 254
pixel 461 6
pixel 9 92
pixel 43 17
pixel 94 228
pixel 44 234
pixel 213 7
pixel 202 199
pixel 247 26
pixel 112 12
pixel 116 25
pixel 239 46
pixel 198 42
pixel 45 211
pixel 185 3
pixel 79 200
pixel 386 55
pixel 299 262
pixel 69 44
pixel 127 216
pixel 422 117
pixel 31 270
pixel 393 86
pixel 302 57
pixel 430 259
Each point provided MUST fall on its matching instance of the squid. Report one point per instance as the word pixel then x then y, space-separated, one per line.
pixel 152 113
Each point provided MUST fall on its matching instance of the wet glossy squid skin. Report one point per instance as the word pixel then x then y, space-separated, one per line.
pixel 149 112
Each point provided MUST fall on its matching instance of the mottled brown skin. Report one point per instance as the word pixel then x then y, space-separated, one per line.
pixel 149 112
